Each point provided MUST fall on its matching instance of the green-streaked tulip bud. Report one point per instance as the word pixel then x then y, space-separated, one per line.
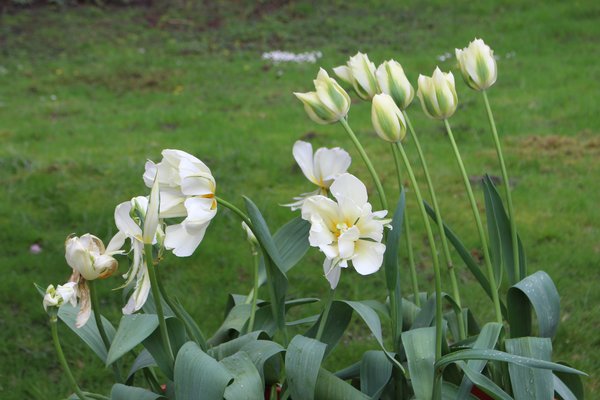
pixel 387 118
pixel 477 65
pixel 438 94
pixel 359 71
pixel 329 103
pixel 393 81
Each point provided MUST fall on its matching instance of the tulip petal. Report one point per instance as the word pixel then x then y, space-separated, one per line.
pixel 151 219
pixel 368 257
pixel 346 242
pixel 329 164
pixel 332 272
pixel 85 304
pixel 184 239
pixel 140 293
pixel 124 221
pixel 303 154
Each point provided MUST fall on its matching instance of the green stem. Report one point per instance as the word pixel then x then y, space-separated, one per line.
pixel 367 161
pixel 236 210
pixel 411 258
pixel 509 203
pixel 325 315
pixel 191 332
pixel 100 325
pixel 440 225
pixel 486 253
pixel 61 356
pixel 434 253
pixel 164 333
pixel 254 291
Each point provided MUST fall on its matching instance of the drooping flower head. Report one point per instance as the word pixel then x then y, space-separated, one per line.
pixel 346 229
pixel 321 168
pixel 359 71
pixel 187 189
pixel 328 103
pixel 477 65
pixel 438 94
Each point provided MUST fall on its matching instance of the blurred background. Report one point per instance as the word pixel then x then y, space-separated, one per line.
pixel 90 90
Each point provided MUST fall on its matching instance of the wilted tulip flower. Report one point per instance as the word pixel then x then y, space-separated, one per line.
pixel 387 119
pixel 477 65
pixel 88 256
pixel 359 71
pixel 346 230
pixel 392 81
pixel 56 297
pixel 321 168
pixel 438 94
pixel 329 103
pixel 187 189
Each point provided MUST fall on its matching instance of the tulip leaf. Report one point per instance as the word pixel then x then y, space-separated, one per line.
pixel 233 346
pixel 392 269
pixel 191 327
pixel 484 383
pixel 143 360
pixel 123 392
pixel 235 321
pixel 375 373
pixel 89 332
pixel 330 387
pixel 419 346
pixel 198 373
pixel 265 356
pixel 537 291
pixel 292 242
pixel 350 372
pixel 530 383
pixel 338 319
pixel 302 362
pixel 154 344
pixel 487 339
pixel 450 392
pixel 496 239
pixel 568 386
pixel 247 384
pixel 132 330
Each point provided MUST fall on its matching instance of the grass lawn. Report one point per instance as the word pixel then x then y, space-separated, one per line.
pixel 88 94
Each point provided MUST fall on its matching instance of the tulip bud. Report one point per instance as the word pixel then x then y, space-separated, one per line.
pixel 477 65
pixel 387 118
pixel 393 81
pixel 329 103
pixel 62 294
pixel 359 71
pixel 438 94
pixel 86 255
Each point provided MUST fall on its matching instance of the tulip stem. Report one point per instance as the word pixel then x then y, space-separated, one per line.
pixel 237 211
pixel 164 333
pixel 434 253
pixel 325 314
pixel 254 291
pixel 440 223
pixel 411 259
pixel 61 355
pixel 100 325
pixel 486 253
pixel 509 203
pixel 367 161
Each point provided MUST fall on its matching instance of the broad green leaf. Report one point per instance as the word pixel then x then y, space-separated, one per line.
pixel 496 238
pixel 198 373
pixel 132 330
pixel 192 329
pixel 263 235
pixel 563 390
pixel 450 392
pixel 233 346
pixel 392 269
pixel 143 360
pixel 496 355
pixel 530 383
pixel 247 384
pixel 235 321
pixel 426 315
pixel 123 392
pixel 302 362
pixel 484 383
pixel 154 345
pixel 89 332
pixel 292 242
pixel 375 373
pixel 264 315
pixel 338 320
pixel 487 339
pixel 350 372
pixel 572 382
pixel 419 346
pixel 330 387
pixel 536 290
pixel 265 356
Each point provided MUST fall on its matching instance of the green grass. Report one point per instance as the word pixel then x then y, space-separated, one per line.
pixel 88 94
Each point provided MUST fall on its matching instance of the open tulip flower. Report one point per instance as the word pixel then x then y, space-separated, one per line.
pixel 359 71
pixel 321 168
pixel 346 230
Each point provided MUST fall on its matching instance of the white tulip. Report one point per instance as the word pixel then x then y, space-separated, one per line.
pixel 55 297
pixel 329 103
pixel 387 119
pixel 321 168
pixel 438 94
pixel 346 230
pixel 359 71
pixel 88 256
pixel 477 65
pixel 393 81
